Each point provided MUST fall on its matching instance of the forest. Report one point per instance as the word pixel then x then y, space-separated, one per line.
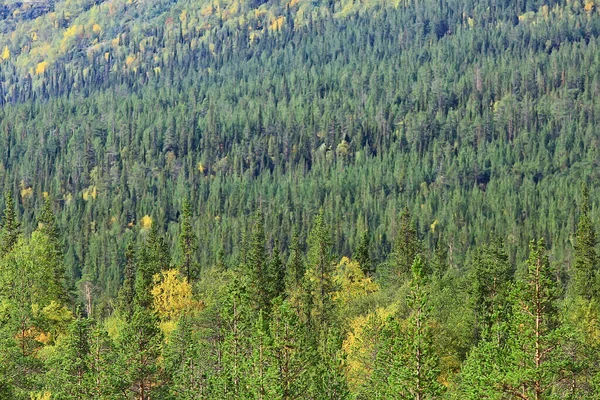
pixel 299 199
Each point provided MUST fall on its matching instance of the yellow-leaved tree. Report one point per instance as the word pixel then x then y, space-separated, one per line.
pixel 172 295
pixel 5 53
pixel 352 284
pixel 361 345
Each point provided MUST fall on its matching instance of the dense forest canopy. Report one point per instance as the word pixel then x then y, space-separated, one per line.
pixel 273 199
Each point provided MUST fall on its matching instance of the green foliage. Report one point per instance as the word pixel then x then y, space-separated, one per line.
pixel 586 279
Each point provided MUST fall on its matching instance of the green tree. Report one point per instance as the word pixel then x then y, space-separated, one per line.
pixel 10 225
pixel 406 247
pixel 535 361
pixel 257 266
pixel 139 348
pixel 275 274
pixel 319 274
pixel 407 363
pixel 586 264
pixel 363 256
pixel 188 242
pixel 490 279
pixel 127 292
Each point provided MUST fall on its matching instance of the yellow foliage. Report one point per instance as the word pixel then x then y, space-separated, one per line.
pixel 359 345
pixel 157 70
pixel 34 36
pixel 352 282
pixel 129 60
pixel 41 67
pixel 70 31
pixel 589 6
pixel 40 395
pixel 146 222
pixel 206 11
pixel 433 225
pixel 25 190
pixel 172 294
pixel 90 192
pixel 96 28
pixel 183 16
pixel 5 53
pixel 201 168
pixel 277 23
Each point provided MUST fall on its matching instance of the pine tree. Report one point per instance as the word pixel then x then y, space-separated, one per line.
pixel 262 376
pixel 188 242
pixel 586 258
pixel 10 226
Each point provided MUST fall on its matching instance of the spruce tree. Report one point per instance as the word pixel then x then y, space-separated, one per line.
pixel 54 249
pixel 535 361
pixel 10 225
pixel 275 274
pixel 188 242
pixel 127 292
pixel 490 279
pixel 363 256
pixel 318 278
pixel 406 246
pixel 256 265
pixel 586 260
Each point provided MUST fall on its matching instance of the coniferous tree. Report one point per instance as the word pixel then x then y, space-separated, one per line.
pixel 406 247
pixel 534 362
pixel 363 255
pixel 10 226
pixel 275 274
pixel 54 249
pixel 295 268
pixel 319 271
pixel 407 364
pixel 490 282
pixel 188 242
pixel 257 266
pixel 127 292
pixel 586 260
pixel 70 375
pixel 139 348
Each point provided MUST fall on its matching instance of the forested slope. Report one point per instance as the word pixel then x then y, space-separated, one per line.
pixel 478 119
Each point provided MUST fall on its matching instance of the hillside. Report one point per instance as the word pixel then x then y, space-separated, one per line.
pixel 476 121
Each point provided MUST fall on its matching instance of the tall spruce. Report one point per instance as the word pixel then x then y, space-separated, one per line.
pixel 535 362
pixel 406 246
pixel 188 242
pixel 585 266
pixel 10 225
pixel 319 271
pixel 363 254
pixel 256 264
